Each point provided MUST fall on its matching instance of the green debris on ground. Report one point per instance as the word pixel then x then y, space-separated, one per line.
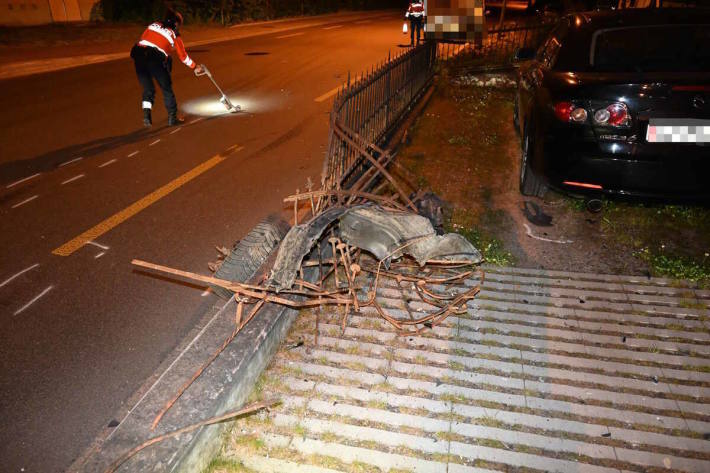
pixel 490 247
pixel 674 266
pixel 673 240
pixel 221 465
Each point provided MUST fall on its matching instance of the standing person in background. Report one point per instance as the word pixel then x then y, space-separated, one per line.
pixel 415 14
pixel 151 56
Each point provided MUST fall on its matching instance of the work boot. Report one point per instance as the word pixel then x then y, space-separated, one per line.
pixel 147 120
pixel 175 120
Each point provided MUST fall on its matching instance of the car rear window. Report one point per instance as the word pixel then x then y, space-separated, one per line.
pixel 662 48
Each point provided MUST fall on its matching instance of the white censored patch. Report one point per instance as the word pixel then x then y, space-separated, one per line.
pixel 678 131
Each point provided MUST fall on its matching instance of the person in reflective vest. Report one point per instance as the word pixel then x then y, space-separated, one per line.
pixel 415 14
pixel 151 57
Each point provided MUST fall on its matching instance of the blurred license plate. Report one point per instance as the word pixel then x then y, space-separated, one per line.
pixel 678 130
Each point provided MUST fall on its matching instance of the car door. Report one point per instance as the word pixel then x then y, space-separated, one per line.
pixel 531 75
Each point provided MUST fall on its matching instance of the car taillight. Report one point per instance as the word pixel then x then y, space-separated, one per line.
pixel 569 112
pixel 616 114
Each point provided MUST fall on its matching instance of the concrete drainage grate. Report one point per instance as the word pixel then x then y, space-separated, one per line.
pixel 547 371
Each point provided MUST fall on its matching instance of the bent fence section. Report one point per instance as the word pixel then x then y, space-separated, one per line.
pixel 368 108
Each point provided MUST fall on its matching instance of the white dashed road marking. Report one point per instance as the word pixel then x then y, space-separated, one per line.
pixel 196 120
pixel 72 179
pixel 132 154
pixel 71 161
pixel 290 35
pixel 332 27
pixel 30 199
pixel 155 142
pixel 35 299
pixel 175 130
pixel 100 255
pixel 107 163
pixel 17 275
pixel 22 180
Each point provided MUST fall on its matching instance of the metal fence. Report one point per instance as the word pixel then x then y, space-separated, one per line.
pixel 497 50
pixel 368 108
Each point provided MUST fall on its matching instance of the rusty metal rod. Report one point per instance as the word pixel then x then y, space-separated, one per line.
pixel 213 420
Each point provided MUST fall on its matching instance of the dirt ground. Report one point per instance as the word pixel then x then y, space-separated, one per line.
pixel 465 149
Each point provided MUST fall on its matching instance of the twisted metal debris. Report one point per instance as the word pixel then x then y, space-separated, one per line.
pixel 354 235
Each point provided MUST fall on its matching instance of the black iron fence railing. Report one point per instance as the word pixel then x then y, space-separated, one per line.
pixel 497 51
pixel 368 108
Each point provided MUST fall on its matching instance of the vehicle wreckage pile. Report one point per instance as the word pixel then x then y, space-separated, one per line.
pixel 387 235
pixel 351 243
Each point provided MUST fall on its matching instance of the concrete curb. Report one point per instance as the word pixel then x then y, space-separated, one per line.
pixel 223 386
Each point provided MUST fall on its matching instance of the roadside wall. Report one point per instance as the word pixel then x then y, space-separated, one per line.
pixel 38 12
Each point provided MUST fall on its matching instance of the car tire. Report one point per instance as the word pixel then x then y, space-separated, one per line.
pixel 249 253
pixel 530 183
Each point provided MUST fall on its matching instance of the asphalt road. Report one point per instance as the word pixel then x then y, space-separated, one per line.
pixel 82 331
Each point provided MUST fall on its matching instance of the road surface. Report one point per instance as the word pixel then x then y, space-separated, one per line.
pixel 84 189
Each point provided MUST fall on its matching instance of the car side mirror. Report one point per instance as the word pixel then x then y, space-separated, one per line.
pixel 524 54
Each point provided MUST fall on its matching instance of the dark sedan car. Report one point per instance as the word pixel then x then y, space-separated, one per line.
pixel 618 102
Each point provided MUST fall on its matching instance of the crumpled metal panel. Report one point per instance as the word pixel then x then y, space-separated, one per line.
pixel 388 235
pixel 297 243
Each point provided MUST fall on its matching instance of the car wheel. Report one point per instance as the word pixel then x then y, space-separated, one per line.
pixel 250 253
pixel 530 183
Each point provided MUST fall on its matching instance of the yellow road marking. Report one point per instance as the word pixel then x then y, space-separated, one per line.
pixel 113 221
pixel 332 92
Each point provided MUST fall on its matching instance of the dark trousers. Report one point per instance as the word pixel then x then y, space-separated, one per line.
pixel 151 65
pixel 415 22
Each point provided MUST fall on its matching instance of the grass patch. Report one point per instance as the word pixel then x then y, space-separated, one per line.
pixel 252 443
pixel 489 421
pixel 376 404
pixel 360 467
pixel 299 431
pixel 329 437
pixel 490 247
pixel 459 140
pixel 453 398
pixel 353 349
pixel 419 359
pixel 325 461
pixel 453 365
pixel 448 436
pixel 441 457
pixel 221 465
pixel 662 263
